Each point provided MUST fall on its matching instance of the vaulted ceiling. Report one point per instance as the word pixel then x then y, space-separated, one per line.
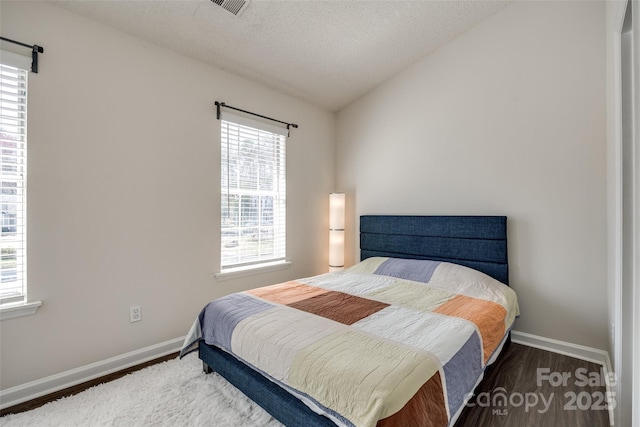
pixel 327 52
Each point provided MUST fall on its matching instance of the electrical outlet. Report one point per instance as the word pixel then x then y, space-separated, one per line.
pixel 135 315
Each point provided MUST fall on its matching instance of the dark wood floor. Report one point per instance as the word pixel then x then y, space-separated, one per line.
pixel 531 387
pixel 514 377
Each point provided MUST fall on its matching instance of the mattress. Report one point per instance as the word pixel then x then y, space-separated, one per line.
pixel 386 342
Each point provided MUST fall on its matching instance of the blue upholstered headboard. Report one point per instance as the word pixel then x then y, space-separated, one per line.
pixel 479 242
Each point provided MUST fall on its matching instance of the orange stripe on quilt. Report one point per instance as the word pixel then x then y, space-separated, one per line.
pixel 427 408
pixel 287 293
pixel 487 315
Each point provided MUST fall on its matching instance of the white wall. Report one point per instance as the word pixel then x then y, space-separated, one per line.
pixel 124 191
pixel 507 119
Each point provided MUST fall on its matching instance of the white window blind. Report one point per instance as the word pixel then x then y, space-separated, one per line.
pixel 13 141
pixel 253 205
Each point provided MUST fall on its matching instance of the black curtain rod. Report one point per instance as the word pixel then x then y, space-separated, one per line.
pixel 220 105
pixel 35 50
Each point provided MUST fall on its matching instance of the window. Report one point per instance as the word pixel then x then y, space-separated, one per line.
pixel 253 204
pixel 13 143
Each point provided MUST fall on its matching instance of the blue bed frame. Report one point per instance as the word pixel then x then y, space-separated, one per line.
pixel 478 242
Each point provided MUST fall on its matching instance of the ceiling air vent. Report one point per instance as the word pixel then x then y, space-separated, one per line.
pixel 234 6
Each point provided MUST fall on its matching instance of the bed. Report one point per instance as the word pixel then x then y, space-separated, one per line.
pixel 360 355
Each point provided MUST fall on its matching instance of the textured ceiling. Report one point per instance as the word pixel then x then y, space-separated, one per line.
pixel 326 52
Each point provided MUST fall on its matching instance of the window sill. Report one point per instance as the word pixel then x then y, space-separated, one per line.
pixel 19 310
pixel 233 273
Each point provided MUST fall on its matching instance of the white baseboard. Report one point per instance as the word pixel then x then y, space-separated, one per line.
pixel 34 389
pixel 582 352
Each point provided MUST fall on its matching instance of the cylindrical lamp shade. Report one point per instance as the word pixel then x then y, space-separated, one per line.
pixel 336 211
pixel 336 231
pixel 336 249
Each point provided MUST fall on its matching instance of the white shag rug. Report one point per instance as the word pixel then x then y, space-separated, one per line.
pixel 173 393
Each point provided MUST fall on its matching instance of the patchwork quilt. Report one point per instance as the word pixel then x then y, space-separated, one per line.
pixel 389 342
